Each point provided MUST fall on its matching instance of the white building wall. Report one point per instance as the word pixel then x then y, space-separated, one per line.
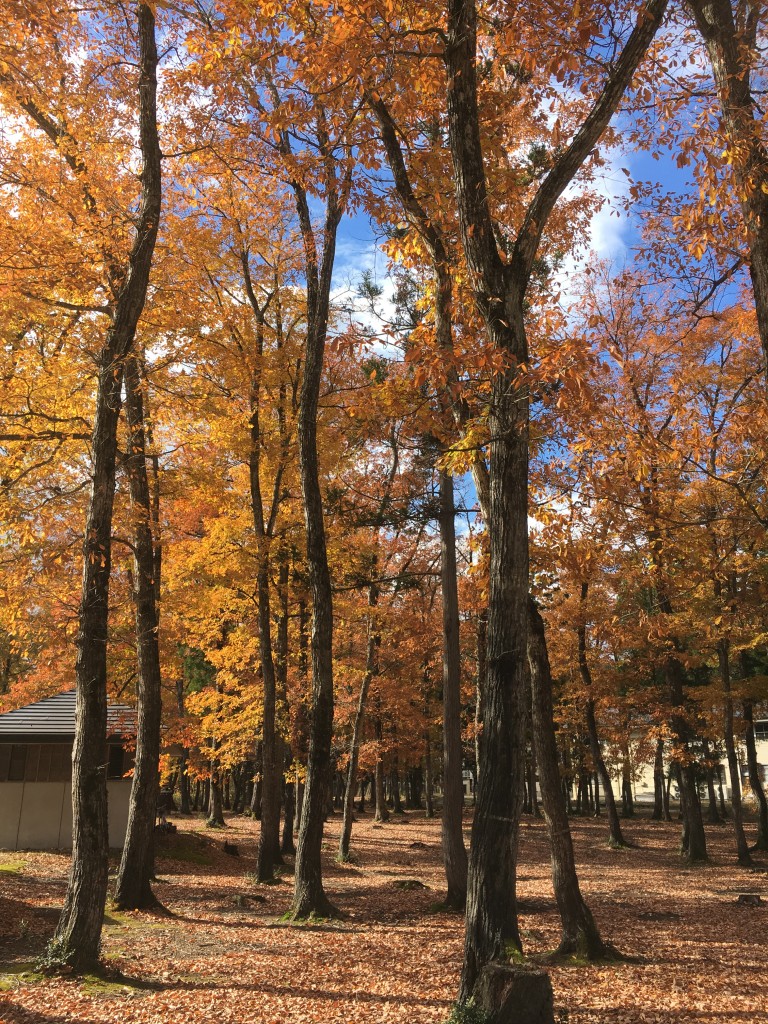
pixel 38 815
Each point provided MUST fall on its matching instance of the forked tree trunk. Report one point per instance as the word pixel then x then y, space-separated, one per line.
pixel 77 936
pixel 133 888
pixel 500 286
pixel 730 44
pixel 580 934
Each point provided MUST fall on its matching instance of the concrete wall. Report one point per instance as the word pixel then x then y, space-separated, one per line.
pixel 643 774
pixel 38 815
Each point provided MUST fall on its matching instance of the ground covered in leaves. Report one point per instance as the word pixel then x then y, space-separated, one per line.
pixel 224 954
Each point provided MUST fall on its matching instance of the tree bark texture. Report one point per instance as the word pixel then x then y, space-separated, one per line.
pixel 730 47
pixel 658 781
pixel 133 888
pixel 309 896
pixel 579 932
pixel 499 287
pixel 454 852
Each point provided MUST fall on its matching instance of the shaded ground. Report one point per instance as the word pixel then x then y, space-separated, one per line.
pixel 225 955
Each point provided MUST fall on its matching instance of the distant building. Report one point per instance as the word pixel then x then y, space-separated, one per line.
pixel 36 773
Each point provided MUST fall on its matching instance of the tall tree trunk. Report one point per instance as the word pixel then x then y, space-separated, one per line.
pixel 357 730
pixel 667 812
pixel 381 812
pixel 286 843
pixel 133 889
pixel 428 778
pixel 309 896
pixel 500 286
pixel 730 47
pixel 580 934
pixel 78 932
pixel 454 853
pixel 713 815
pixel 658 781
pixel 755 781
pixel 215 797
pixel 616 837
pixel 720 793
pixel 482 668
pixel 627 799
pixel 269 834
pixel 694 843
pixel 394 781
pixel 742 847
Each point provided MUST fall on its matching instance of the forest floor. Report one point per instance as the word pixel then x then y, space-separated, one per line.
pixel 225 955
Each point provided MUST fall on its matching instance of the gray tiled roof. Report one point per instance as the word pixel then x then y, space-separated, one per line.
pixel 55 716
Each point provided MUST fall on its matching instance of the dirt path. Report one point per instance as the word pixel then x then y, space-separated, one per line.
pixel 226 956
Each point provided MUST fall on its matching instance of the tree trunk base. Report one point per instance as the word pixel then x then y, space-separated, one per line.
pixel 308 910
pixel 146 900
pixel 619 844
pixel 455 901
pixel 515 995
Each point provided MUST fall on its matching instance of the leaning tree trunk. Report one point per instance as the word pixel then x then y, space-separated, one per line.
pixel 580 934
pixel 133 888
pixel 742 847
pixel 454 853
pixel 78 932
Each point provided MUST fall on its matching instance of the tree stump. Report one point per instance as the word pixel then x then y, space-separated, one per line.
pixel 749 899
pixel 515 995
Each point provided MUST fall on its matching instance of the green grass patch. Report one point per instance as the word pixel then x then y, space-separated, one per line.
pixel 21 973
pixel 106 986
pixel 12 867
